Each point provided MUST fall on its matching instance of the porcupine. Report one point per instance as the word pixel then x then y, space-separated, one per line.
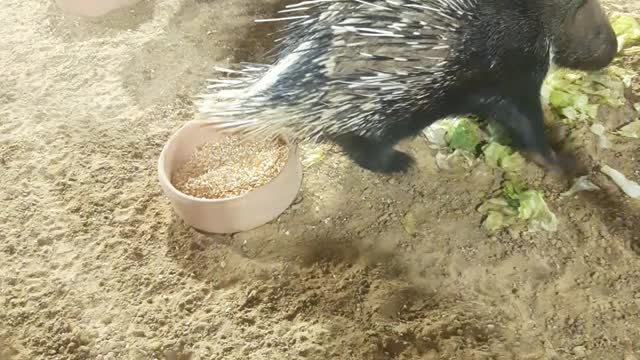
pixel 368 74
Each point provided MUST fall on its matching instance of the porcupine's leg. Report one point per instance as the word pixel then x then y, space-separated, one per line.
pixel 379 155
pixel 374 155
pixel 524 120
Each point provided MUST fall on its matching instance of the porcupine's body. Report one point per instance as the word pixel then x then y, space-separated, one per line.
pixel 369 74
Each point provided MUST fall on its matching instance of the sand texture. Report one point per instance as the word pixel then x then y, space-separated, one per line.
pixel 94 264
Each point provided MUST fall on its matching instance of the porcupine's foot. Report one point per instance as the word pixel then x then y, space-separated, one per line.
pixel 374 156
pixel 524 121
pixel 563 164
pixel 558 163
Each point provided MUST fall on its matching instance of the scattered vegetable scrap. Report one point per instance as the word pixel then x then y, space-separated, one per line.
pixel 576 95
pixel 631 130
pixel 312 156
pixel 501 156
pixel 631 188
pixel 601 132
pixel 465 136
pixel 516 203
pixel 409 223
pixel 581 184
pixel 627 30
pixel 456 140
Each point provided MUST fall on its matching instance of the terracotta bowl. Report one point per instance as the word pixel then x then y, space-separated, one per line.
pixel 230 215
pixel 93 8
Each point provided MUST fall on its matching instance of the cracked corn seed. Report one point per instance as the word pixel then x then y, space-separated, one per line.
pixel 228 168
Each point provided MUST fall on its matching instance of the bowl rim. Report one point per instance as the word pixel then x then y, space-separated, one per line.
pixel 164 178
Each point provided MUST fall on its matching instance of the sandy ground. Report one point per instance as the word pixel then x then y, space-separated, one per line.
pixel 95 265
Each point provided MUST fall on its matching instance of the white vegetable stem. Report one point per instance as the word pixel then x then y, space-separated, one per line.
pixel 629 187
pixel 600 131
pixel 581 184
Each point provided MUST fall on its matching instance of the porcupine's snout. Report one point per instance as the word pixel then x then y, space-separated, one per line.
pixel 600 40
pixel 585 40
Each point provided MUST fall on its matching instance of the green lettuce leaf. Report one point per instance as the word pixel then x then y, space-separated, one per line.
pixel 627 30
pixel 500 156
pixel 515 204
pixel 631 130
pixel 465 136
pixel 577 95
pixel 534 209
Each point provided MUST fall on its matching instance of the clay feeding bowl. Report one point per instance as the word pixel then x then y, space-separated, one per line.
pixel 231 214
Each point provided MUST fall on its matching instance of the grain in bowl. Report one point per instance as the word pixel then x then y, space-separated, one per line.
pixel 230 167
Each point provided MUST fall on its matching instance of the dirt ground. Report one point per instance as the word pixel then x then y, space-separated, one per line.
pixel 95 265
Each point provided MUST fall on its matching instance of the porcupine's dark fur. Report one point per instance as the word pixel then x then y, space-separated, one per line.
pixel 367 74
